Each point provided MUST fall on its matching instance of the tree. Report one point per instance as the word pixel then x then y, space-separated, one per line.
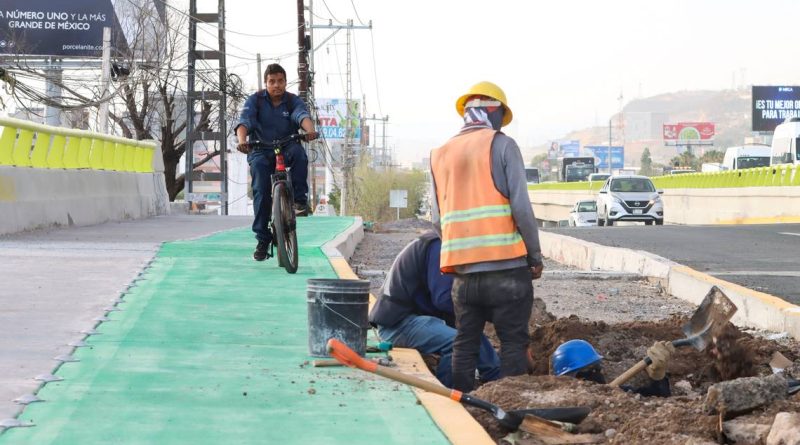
pixel 685 159
pixel 712 156
pixel 369 194
pixel 646 163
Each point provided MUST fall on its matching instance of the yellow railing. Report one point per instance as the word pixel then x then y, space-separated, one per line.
pixel 773 176
pixel 27 144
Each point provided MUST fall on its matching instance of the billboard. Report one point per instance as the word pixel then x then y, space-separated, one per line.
pixel 600 153
pixel 689 131
pixel 332 118
pixel 564 149
pixel 47 27
pixel 772 105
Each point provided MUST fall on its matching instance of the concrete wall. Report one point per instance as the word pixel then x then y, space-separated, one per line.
pixel 736 205
pixel 32 198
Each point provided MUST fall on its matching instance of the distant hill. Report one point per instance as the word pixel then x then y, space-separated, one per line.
pixel 729 110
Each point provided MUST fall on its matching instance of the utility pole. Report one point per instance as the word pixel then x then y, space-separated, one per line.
pixel 218 138
pixel 259 74
pixel 348 132
pixel 609 143
pixel 346 167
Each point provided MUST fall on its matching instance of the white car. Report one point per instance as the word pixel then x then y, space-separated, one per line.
pixel 584 214
pixel 629 198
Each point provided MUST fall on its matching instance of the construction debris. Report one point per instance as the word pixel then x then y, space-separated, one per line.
pixel 785 430
pixel 745 394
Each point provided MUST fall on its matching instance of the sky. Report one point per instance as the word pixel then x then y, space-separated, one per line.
pixel 562 64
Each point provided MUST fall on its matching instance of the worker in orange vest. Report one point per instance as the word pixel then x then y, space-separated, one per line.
pixel 490 240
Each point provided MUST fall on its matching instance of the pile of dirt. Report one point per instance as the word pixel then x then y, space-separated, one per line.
pixel 738 354
pixel 629 418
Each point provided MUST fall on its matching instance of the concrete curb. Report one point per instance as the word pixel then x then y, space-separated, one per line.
pixel 345 243
pixel 756 309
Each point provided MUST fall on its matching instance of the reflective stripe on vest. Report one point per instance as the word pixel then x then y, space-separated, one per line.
pixel 476 220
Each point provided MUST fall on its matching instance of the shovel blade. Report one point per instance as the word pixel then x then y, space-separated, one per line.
pixel 714 312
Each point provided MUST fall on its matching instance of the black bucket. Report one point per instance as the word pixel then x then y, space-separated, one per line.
pixel 337 309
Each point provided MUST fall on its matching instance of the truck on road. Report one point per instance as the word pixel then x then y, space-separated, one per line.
pixel 746 156
pixel 576 168
pixel 785 142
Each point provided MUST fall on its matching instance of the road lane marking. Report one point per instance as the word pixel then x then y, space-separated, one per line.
pixel 789 233
pixel 771 273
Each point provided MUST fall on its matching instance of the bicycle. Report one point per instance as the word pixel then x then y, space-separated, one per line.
pixel 283 223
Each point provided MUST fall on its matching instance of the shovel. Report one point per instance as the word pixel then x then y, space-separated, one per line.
pixel 714 312
pixel 536 421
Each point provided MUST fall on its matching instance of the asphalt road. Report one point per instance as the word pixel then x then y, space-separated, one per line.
pixel 761 257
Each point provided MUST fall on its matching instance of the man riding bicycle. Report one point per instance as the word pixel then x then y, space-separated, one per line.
pixel 268 115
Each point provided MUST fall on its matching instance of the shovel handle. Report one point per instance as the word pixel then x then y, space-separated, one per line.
pixel 629 374
pixel 348 357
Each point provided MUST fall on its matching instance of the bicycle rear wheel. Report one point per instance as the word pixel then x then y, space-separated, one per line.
pixel 283 219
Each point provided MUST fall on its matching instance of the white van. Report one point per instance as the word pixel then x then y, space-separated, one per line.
pixel 785 142
pixel 747 156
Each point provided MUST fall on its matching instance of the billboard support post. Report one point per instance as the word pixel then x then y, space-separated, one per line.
pixel 105 75
pixel 53 79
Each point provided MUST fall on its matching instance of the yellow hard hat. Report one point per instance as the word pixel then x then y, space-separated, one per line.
pixel 486 89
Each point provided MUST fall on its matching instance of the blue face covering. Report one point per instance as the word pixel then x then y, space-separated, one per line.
pixel 484 113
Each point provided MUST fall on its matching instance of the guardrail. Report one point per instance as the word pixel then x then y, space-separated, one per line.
pixel 773 176
pixel 27 144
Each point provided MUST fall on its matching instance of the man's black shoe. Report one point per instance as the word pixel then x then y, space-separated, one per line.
pixel 262 251
pixel 301 209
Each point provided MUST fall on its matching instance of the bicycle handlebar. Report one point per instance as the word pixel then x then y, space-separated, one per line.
pixel 275 143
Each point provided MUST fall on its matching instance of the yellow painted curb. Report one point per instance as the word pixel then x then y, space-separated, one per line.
pixel 456 423
pixel 768 299
pixel 762 220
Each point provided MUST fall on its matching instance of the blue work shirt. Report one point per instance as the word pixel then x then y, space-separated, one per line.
pixel 415 285
pixel 265 122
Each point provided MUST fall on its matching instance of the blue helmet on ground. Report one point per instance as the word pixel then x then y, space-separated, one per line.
pixel 572 356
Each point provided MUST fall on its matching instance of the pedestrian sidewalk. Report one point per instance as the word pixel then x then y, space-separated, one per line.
pixel 210 347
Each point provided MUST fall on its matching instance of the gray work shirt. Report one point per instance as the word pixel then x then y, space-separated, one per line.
pixel 508 174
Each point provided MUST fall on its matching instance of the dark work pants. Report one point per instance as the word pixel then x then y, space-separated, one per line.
pixel 297 161
pixel 504 298
pixel 262 166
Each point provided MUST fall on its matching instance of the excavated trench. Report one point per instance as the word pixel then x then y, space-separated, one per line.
pixel 628 418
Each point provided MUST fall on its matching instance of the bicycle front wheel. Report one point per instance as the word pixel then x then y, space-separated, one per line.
pixel 283 219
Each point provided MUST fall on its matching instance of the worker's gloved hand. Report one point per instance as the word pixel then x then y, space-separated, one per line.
pixel 310 136
pixel 659 353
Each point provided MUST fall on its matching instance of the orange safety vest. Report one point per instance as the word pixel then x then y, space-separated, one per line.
pixel 476 220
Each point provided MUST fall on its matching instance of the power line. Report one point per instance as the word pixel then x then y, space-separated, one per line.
pixel 356 11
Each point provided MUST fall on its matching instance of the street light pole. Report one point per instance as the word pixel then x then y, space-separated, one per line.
pixel 609 144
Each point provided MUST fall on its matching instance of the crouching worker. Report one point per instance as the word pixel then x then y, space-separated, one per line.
pixel 415 309
pixel 579 359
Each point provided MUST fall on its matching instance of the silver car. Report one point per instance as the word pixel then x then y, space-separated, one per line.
pixel 583 214
pixel 629 198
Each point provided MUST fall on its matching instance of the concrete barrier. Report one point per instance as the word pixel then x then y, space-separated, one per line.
pixel 697 206
pixel 755 309
pixel 52 176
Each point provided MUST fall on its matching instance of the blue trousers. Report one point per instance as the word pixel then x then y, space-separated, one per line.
pixel 430 335
pixel 262 166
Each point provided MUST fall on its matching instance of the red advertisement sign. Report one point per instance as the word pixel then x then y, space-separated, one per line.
pixel 689 131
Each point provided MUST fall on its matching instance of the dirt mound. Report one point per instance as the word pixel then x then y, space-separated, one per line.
pixel 633 418
pixel 622 345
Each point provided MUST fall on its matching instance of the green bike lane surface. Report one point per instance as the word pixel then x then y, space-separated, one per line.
pixel 211 347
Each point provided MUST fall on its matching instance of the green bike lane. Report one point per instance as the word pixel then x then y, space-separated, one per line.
pixel 211 347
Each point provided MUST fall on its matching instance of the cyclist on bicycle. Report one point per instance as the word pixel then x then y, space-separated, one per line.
pixel 268 115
